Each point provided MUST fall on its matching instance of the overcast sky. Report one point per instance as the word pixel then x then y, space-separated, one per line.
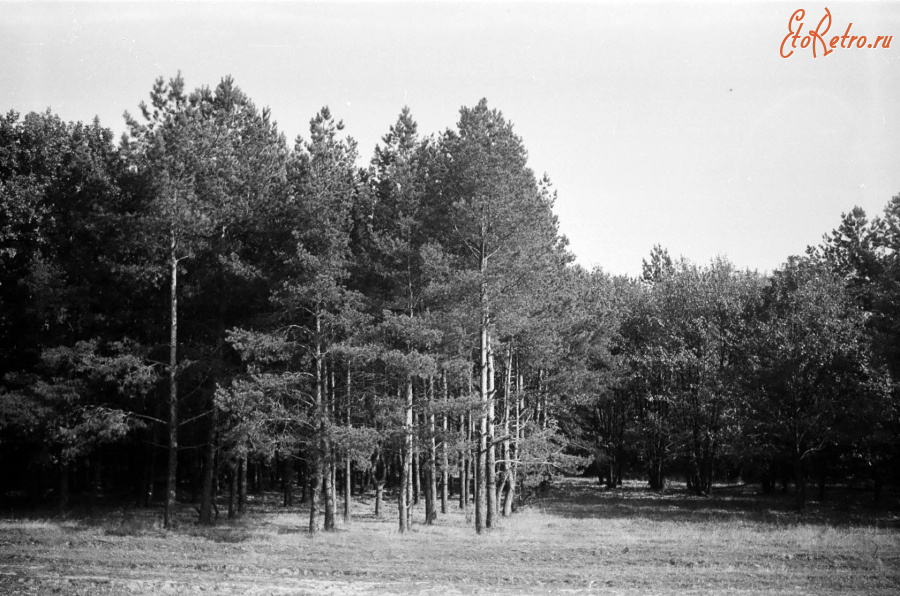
pixel 675 124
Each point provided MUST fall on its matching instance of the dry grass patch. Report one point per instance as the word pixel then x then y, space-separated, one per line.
pixel 580 540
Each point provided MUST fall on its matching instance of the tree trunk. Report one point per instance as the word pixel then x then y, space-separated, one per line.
pixel 329 495
pixel 287 481
pixel 506 485
pixel 242 485
pixel 172 473
pixel 328 488
pixel 348 469
pixel 63 485
pixel 315 481
pixel 209 469
pixel 463 462
pixel 150 468
pixel 490 473
pixel 416 466
pixel 445 458
pixel 379 477
pixel 405 460
pixel 315 455
pixel 799 480
pixel 303 476
pixel 481 448
pixel 514 449
pixel 232 489
pixel 431 463
pixel 657 478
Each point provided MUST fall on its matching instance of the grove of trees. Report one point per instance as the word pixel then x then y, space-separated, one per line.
pixel 203 310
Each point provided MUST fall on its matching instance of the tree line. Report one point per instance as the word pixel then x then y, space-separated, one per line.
pixel 202 309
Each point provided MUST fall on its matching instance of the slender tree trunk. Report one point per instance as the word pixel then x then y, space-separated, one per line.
pixel 315 482
pixel 63 485
pixel 405 460
pixel 303 476
pixel 217 468
pixel 481 502
pixel 348 489
pixel 416 467
pixel 232 489
pixel 329 496
pixel 463 462
pixel 287 482
pixel 799 479
pixel 348 469
pixel 172 473
pixel 514 476
pixel 316 460
pixel 328 452
pixel 431 463
pixel 490 473
pixel 147 497
pixel 379 477
pixel 242 484
pixel 409 489
pixel 445 458
pixel 507 467
pixel 209 470
pixel 402 492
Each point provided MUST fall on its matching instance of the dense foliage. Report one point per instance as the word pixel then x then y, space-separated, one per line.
pixel 202 309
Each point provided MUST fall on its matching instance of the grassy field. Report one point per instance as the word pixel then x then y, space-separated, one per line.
pixel 579 539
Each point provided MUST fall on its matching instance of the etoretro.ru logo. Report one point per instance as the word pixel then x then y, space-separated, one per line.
pixel 817 40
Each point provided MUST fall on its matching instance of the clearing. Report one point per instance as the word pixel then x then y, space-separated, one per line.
pixel 579 539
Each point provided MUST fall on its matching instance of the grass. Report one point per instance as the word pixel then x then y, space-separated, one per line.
pixel 580 539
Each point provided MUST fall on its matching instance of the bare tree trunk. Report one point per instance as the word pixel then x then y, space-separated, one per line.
pixel 348 469
pixel 416 466
pixel 430 460
pixel 209 470
pixel 232 488
pixel 799 479
pixel 348 486
pixel 405 460
pixel 328 453
pixel 306 472
pixel 329 495
pixel 490 473
pixel 287 482
pixel 316 460
pixel 242 484
pixel 463 462
pixel 379 476
pixel 505 485
pixel 147 488
pixel 63 485
pixel 481 449
pixel 315 481
pixel 445 458
pixel 514 478
pixel 172 473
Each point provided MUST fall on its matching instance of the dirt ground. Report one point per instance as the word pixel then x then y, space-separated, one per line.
pixel 579 539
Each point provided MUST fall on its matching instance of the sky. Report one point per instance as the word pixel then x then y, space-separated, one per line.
pixel 676 124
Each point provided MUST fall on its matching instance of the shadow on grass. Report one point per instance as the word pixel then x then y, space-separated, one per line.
pixel 265 515
pixel 578 498
pixel 585 499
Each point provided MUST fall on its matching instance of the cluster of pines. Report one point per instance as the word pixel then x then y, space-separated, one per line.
pixel 200 311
